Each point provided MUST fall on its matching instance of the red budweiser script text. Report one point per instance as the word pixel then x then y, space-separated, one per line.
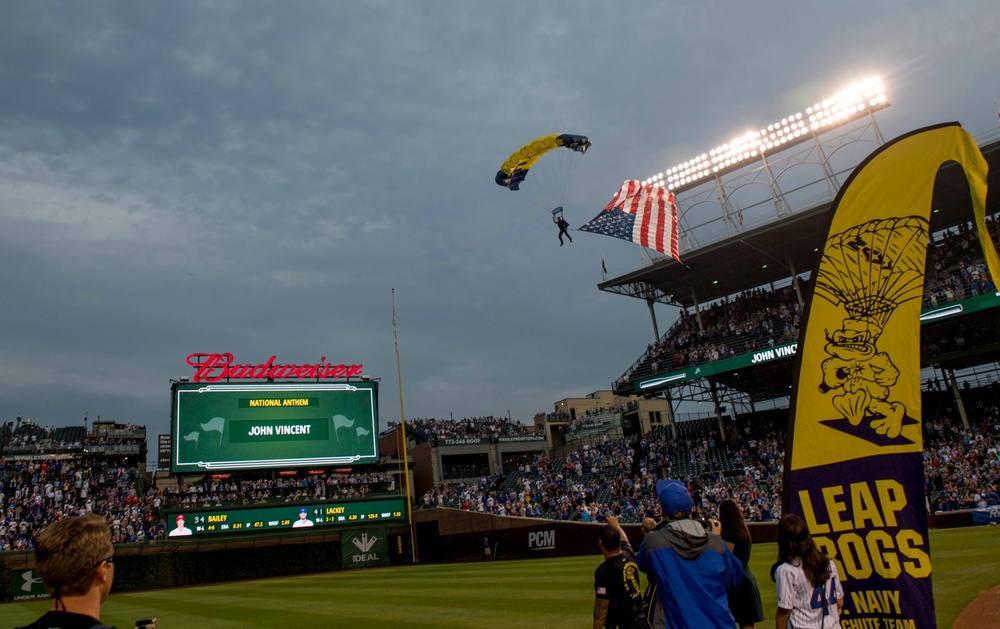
pixel 217 367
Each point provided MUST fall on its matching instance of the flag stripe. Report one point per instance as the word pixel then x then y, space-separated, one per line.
pixel 674 250
pixel 638 212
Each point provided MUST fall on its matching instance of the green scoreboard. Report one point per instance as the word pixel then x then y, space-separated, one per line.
pixel 201 523
pixel 230 427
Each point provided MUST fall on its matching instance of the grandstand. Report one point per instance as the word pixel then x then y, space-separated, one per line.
pixel 741 296
pixel 615 475
pixel 47 473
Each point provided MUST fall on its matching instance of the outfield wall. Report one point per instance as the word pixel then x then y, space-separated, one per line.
pixel 442 535
pixel 158 565
pixel 445 535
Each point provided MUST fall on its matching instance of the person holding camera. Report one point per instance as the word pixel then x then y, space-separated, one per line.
pixel 690 566
pixel 75 560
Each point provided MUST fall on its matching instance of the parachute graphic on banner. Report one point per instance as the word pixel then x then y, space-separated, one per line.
pixel 874 267
pixel 641 213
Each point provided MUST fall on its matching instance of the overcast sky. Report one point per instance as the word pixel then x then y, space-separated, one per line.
pixel 256 178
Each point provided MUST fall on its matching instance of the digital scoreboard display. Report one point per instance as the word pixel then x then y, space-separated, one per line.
pixel 230 427
pixel 231 520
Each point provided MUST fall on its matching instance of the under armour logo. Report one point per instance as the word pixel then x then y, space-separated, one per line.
pixel 29 580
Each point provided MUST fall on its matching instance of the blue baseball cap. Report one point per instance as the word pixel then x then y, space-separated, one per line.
pixel 674 497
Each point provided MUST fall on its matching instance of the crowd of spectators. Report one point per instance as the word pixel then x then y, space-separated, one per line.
pixel 234 492
pixel 962 466
pixel 751 321
pixel 38 487
pixel 759 318
pixel 488 427
pixel 956 268
pixel 616 476
pixel 747 468
pixel 33 494
pixel 564 489
pixel 36 493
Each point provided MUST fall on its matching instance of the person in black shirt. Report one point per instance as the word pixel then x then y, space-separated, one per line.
pixel 75 559
pixel 618 603
pixel 563 225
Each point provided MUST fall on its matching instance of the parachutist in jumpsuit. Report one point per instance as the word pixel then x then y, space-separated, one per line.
pixel 563 226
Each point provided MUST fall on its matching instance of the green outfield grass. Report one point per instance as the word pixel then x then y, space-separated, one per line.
pixel 541 593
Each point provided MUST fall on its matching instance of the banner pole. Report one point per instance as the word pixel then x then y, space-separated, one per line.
pixel 402 427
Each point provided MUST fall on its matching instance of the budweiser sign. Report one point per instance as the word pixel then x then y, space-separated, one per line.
pixel 218 367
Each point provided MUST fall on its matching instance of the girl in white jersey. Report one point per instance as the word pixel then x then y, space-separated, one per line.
pixel 809 589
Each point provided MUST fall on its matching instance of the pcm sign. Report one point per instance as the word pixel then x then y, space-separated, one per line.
pixel 542 540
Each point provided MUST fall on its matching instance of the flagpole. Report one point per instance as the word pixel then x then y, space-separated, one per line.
pixel 402 427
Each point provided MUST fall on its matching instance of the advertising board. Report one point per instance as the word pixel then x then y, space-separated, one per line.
pixel 229 427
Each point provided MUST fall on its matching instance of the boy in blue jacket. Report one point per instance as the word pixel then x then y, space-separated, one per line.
pixel 691 567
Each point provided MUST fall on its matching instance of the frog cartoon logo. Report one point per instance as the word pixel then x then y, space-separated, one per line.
pixel 869 271
pixel 861 377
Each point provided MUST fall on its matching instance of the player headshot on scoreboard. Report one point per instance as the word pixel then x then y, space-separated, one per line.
pixel 303 520
pixel 180 529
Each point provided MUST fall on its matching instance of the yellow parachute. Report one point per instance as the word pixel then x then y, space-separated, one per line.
pixel 513 171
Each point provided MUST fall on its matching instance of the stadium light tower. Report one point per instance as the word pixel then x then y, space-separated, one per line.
pixel 854 102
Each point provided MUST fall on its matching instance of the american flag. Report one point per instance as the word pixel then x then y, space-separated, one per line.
pixel 644 214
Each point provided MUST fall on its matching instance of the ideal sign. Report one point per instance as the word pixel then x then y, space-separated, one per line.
pixel 366 548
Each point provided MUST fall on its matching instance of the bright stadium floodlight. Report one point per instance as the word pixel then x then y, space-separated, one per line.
pixel 853 102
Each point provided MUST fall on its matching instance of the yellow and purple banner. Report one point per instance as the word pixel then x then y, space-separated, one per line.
pixel 854 467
